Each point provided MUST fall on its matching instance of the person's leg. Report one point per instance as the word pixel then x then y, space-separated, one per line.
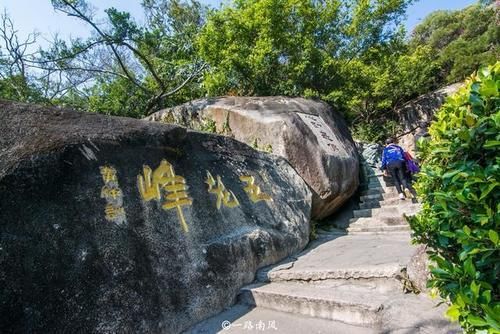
pixel 392 169
pixel 401 170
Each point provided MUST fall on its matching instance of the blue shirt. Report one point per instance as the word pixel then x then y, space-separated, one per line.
pixel 392 152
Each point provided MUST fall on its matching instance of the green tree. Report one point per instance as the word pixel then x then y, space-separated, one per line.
pixel 126 68
pixel 292 47
pixel 461 40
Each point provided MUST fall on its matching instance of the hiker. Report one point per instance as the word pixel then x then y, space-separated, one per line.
pixel 393 162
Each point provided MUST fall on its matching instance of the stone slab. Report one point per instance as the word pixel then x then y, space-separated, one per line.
pixel 242 319
pixel 406 207
pixel 347 256
pixel 356 304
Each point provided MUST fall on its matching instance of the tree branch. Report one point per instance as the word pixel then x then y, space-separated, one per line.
pixel 107 39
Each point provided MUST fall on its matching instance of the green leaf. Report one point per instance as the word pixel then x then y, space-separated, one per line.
pixel 491 143
pixel 475 289
pixel 448 234
pixel 453 313
pixel 488 88
pixel 487 296
pixel 475 100
pixel 464 135
pixel 476 321
pixel 440 272
pixel 466 230
pixel 488 189
pixel 484 72
pixel 469 267
pixel 450 174
pixel 493 236
pixel 459 301
pixel 470 120
pixel 492 322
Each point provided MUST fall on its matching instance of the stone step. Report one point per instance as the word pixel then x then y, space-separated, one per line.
pixel 388 211
pixel 384 220
pixel 345 257
pixel 371 222
pixel 378 184
pixel 378 196
pixel 373 170
pixel 382 229
pixel 355 304
pixel 380 190
pixel 379 179
pixel 244 319
pixel 378 176
pixel 376 233
pixel 373 204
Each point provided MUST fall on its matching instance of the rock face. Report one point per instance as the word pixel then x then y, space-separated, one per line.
pixel 418 268
pixel 421 109
pixel 115 225
pixel 308 134
pixel 370 153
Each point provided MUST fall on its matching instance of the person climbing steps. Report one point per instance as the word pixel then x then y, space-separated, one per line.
pixel 393 163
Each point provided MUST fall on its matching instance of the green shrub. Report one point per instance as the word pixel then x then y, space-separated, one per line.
pixel 460 190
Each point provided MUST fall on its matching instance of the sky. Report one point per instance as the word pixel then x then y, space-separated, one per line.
pixel 39 16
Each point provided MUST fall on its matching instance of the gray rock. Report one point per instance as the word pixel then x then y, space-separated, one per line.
pixel 418 268
pixel 311 136
pixel 86 246
pixel 371 153
pixel 423 107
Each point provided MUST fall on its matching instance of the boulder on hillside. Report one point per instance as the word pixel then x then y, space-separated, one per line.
pixel 420 110
pixel 116 225
pixel 309 134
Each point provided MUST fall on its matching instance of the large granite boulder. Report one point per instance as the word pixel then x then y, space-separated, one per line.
pixel 415 113
pixel 116 225
pixel 309 134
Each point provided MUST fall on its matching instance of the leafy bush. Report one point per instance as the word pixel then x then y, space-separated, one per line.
pixel 460 190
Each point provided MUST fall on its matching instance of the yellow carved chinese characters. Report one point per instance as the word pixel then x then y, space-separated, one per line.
pixel 224 196
pixel 108 174
pixel 113 213
pixel 253 191
pixel 152 182
pixel 111 191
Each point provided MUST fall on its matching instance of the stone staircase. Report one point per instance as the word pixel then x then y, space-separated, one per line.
pixel 346 281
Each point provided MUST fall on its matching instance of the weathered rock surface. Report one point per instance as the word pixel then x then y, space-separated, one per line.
pixel 421 109
pixel 112 225
pixel 311 136
pixel 418 268
pixel 370 154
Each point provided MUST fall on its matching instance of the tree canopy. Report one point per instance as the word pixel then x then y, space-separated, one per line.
pixel 461 41
pixel 354 54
